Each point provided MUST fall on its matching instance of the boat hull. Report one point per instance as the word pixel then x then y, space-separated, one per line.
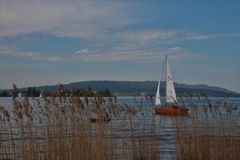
pixel 171 110
pixel 99 120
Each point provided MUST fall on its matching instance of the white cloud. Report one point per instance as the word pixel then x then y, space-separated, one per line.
pixel 37 56
pixel 167 36
pixel 60 18
pixel 85 52
pixel 195 36
pixel 15 52
pixel 182 54
pixel 82 55
pixel 148 35
pixel 84 19
pixel 138 55
pixel 112 55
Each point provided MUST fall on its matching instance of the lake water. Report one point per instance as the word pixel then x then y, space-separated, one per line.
pixel 163 125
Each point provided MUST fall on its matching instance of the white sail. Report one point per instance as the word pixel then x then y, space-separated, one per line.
pixel 19 94
pixel 40 96
pixel 157 99
pixel 170 91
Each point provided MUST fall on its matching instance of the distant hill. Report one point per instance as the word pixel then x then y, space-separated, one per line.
pixel 146 87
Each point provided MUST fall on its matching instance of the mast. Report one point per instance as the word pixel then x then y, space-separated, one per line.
pixel 170 91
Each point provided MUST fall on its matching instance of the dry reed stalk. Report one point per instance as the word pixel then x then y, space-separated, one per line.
pixel 212 134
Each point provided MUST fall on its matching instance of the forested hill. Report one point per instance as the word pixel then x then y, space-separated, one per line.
pixel 149 87
pixel 142 87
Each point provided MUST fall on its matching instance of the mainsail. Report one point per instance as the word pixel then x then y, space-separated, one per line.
pixel 157 99
pixel 40 96
pixel 170 91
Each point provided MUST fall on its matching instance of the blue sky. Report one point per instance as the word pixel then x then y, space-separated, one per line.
pixel 51 42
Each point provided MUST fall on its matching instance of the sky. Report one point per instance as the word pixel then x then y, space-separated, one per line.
pixel 51 42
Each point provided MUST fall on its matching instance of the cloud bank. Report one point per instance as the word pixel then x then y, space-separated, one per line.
pixel 60 18
pixel 102 26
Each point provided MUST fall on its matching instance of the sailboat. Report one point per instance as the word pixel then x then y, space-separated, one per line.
pixel 19 95
pixel 171 107
pixel 41 95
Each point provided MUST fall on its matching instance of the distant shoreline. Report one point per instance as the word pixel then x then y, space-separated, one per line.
pixel 132 88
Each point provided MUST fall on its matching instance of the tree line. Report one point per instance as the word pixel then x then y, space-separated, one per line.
pixel 35 92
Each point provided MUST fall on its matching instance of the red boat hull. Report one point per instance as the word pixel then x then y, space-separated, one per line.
pixel 171 110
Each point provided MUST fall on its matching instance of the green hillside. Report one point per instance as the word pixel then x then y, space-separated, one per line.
pixel 140 87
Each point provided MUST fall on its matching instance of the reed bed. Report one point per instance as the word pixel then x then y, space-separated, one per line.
pixel 59 127
pixel 211 132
